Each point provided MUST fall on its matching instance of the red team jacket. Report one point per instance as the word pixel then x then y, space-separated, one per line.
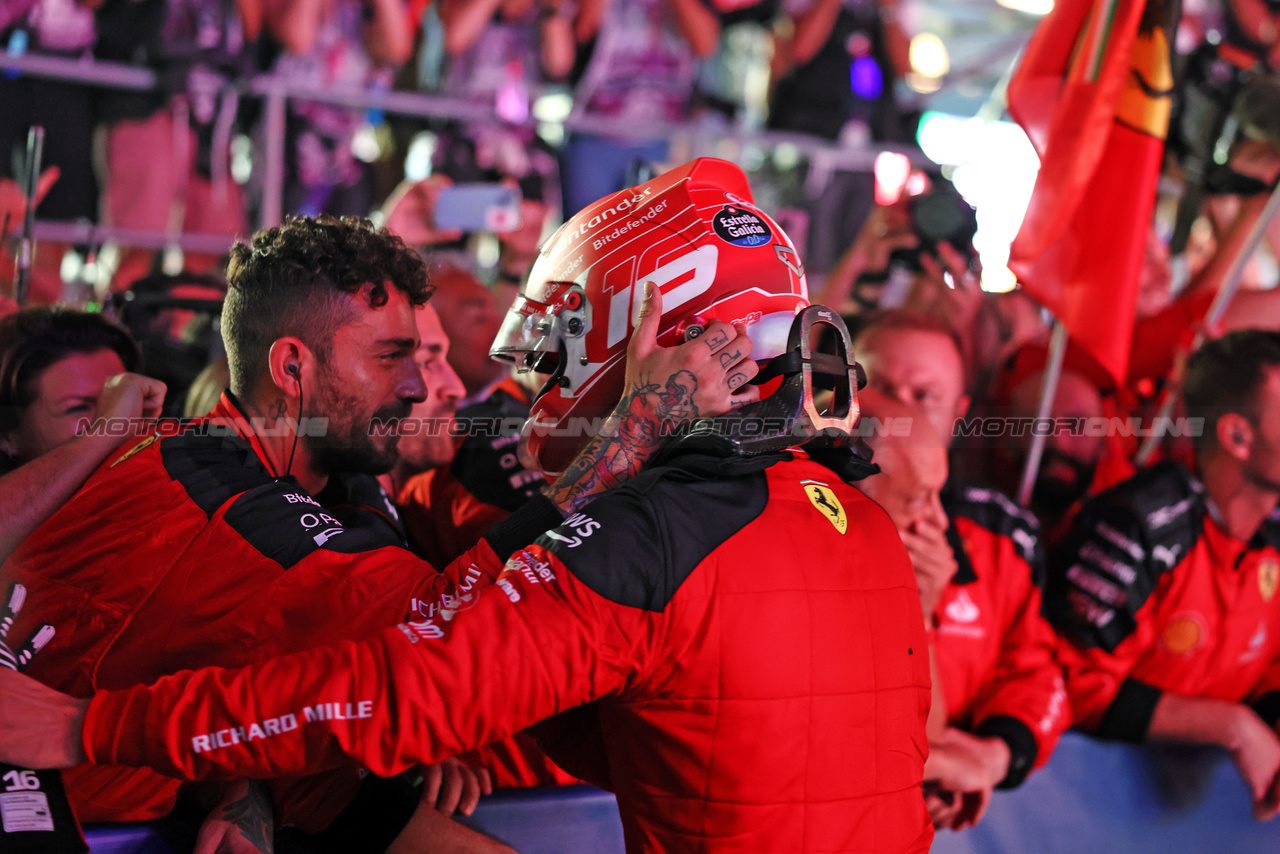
pixel 753 636
pixel 995 651
pixel 447 510
pixel 189 551
pixel 1154 596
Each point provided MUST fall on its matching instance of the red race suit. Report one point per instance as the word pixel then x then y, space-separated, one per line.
pixel 446 510
pixel 188 550
pixel 750 627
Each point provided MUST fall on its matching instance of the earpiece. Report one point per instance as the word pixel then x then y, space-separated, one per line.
pixel 297 430
pixel 1237 436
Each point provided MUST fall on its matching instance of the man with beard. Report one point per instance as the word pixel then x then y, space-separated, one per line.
pixel 746 622
pixel 215 543
pixel 448 506
pixel 450 494
pixel 1165 593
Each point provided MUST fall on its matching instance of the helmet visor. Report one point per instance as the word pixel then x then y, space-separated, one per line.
pixel 529 327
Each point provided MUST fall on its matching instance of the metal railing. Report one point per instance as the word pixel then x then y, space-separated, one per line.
pixel 699 138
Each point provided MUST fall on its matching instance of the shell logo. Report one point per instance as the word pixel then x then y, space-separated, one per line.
pixel 1184 634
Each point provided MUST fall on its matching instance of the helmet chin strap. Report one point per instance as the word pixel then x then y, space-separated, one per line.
pixel 556 376
pixel 789 417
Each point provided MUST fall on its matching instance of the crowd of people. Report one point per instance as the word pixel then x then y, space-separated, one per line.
pixel 191 154
pixel 296 510
pixel 360 533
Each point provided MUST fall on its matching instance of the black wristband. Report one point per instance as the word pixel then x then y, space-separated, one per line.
pixel 1129 716
pixel 1023 749
pixel 1267 707
pixel 538 515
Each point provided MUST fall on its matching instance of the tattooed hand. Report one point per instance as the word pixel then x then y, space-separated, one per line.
pixel 701 378
pixel 666 387
pixel 241 824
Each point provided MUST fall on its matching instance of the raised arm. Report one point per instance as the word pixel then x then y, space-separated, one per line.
pixel 34 491
pixel 294 23
pixel 387 37
pixel 464 20
pixel 559 641
pixel 711 374
pixel 812 29
pixel 698 24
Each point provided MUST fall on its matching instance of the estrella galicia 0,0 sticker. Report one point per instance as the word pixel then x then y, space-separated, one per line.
pixel 741 227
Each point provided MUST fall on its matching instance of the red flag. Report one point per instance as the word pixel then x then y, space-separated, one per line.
pixel 1093 93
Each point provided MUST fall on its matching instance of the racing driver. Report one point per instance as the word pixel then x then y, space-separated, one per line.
pixel 746 620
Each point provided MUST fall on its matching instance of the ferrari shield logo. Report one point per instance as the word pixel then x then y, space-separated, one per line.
pixel 138 447
pixel 1268 578
pixel 826 503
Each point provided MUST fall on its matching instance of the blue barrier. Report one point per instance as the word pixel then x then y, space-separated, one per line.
pixel 153 837
pixel 552 820
pixel 1101 797
pixel 1092 797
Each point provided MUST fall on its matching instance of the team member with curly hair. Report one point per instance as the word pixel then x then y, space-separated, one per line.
pixel 261 529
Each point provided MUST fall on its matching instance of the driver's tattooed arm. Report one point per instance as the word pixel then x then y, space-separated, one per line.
pixel 665 388
pixel 642 420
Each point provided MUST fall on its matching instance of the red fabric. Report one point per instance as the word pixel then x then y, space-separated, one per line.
pixel 139 582
pixel 1156 339
pixel 1031 359
pixel 774 703
pixel 440 516
pixel 1152 588
pixel 1206 601
pixel 995 651
pixel 443 519
pixel 1116 464
pixel 1081 245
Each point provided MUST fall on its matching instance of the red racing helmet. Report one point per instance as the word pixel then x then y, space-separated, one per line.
pixel 696 233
